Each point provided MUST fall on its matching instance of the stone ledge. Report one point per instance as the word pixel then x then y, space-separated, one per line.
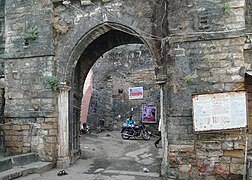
pixel 19 171
pixel 200 36
pixel 31 114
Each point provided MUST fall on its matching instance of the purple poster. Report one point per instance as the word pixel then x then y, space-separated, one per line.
pixel 149 114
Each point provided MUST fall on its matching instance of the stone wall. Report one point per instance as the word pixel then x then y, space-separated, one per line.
pixel 32 135
pixel 204 67
pixel 2 39
pixel 206 55
pixel 47 38
pixel 205 16
pixel 123 67
pixel 30 121
pixel 202 53
pixel 30 112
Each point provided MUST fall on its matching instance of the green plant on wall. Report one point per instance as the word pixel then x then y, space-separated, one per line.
pixel 53 82
pixel 226 9
pixel 31 33
pixel 189 79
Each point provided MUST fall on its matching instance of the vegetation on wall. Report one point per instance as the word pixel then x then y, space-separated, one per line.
pixel 31 33
pixel 52 82
pixel 226 9
pixel 189 79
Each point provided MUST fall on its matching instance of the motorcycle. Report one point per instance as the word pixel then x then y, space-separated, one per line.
pixel 136 131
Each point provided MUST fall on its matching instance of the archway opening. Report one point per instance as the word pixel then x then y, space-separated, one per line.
pixel 109 41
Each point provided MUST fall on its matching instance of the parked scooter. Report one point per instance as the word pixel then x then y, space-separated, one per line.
pixel 84 129
pixel 136 131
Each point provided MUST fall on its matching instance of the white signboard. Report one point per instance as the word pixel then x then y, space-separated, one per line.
pixel 136 93
pixel 220 111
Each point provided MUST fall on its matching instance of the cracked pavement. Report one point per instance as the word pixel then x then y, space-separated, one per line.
pixel 106 156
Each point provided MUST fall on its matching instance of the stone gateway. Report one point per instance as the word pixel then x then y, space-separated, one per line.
pixel 199 47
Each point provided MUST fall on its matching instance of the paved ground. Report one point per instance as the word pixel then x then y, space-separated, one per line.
pixel 106 156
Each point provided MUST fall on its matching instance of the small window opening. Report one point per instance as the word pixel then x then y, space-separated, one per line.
pixel 204 21
pixel 26 43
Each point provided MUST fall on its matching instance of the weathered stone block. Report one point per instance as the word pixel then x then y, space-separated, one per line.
pixel 17 139
pixel 213 145
pixel 227 145
pixel 51 139
pixel 202 168
pixel 26 149
pixel 53 132
pixel 239 145
pixel 237 168
pixel 181 148
pixel 234 153
pixel 26 139
pixel 17 127
pixel 40 120
pixel 184 171
pixel 224 160
pixel 221 169
pixel 51 119
pixel 7 127
pixel 8 137
pixel 27 145
pixel 237 160
pixel 49 126
pixel 210 178
pixel 215 153
pixel 25 127
pixel 86 2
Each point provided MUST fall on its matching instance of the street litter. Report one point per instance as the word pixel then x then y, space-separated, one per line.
pixel 61 173
pixel 145 170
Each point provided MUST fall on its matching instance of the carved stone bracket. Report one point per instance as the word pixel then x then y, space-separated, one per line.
pixel 161 76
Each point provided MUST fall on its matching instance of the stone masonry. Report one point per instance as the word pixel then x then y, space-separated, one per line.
pixel 119 69
pixel 198 47
pixel 207 57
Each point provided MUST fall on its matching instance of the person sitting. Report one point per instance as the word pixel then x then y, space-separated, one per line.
pixel 130 122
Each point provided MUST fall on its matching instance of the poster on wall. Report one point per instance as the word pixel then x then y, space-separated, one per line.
pixel 220 111
pixel 136 93
pixel 149 114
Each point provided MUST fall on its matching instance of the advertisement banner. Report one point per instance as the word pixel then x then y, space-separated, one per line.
pixel 136 93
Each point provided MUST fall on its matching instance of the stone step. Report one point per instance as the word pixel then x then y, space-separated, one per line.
pixel 24 170
pixel 17 160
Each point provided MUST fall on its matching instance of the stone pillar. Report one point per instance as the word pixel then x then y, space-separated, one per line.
pixel 63 127
pixel 164 133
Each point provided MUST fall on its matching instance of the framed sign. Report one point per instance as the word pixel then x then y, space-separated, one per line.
pixel 149 114
pixel 220 111
pixel 136 93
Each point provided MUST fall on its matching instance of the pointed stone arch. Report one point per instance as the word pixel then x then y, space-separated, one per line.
pixel 74 65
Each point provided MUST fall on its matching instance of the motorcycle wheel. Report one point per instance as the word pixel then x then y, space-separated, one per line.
pixel 146 135
pixel 125 134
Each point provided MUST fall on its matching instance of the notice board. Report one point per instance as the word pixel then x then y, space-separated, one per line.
pixel 219 111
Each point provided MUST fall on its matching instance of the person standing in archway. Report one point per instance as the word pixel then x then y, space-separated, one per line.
pixel 159 129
